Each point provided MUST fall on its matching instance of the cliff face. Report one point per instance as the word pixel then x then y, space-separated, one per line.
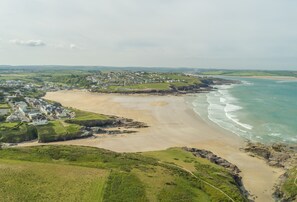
pixel 91 123
pixel 112 122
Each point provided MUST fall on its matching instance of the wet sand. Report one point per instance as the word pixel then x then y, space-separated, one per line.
pixel 172 124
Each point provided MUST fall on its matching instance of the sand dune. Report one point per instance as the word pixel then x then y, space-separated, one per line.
pixel 172 123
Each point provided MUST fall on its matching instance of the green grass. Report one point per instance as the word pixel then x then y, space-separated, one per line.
pixel 204 170
pixel 58 130
pixel 31 181
pixel 75 173
pixel 17 132
pixel 289 187
pixel 87 116
pixel 4 106
pixel 122 186
pixel 9 125
pixel 89 119
pixel 181 190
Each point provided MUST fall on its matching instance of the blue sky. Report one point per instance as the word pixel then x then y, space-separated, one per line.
pixel 171 33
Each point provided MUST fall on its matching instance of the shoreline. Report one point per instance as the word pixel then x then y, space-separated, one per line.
pixel 172 124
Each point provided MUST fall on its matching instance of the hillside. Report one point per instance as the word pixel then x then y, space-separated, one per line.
pixel 72 173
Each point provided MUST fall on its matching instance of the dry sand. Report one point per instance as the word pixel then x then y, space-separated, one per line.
pixel 172 124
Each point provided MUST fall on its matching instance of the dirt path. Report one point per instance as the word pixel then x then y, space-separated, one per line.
pixel 205 182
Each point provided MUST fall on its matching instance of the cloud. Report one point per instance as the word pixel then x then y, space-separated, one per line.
pixel 73 46
pixel 30 43
pixel 196 33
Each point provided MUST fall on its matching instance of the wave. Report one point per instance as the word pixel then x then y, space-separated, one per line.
pixel 247 83
pixel 235 120
pixel 287 81
pixel 240 114
pixel 274 134
pixel 222 109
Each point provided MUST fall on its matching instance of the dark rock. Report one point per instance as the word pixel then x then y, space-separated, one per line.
pixel 278 155
pixel 214 159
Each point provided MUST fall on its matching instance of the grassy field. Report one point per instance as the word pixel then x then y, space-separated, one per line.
pixel 73 173
pixel 89 119
pixel 58 130
pixel 124 187
pixel 31 181
pixel 88 116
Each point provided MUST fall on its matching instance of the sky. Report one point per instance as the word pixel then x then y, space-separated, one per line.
pixel 237 34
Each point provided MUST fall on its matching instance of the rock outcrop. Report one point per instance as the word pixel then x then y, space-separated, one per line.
pixel 278 155
pixel 214 159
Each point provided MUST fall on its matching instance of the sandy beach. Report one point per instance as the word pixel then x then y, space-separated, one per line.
pixel 172 124
pixel 277 78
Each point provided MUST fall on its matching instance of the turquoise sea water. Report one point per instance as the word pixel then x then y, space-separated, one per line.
pixel 258 109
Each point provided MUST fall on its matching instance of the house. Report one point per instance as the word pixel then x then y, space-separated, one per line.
pixel 47 109
pixel 34 115
pixel 39 122
pixel 13 118
pixel 22 107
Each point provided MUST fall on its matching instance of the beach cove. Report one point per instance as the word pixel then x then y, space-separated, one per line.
pixel 172 123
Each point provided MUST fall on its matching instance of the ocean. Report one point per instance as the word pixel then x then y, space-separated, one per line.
pixel 260 110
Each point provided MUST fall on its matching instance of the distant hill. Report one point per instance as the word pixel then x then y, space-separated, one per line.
pixel 248 73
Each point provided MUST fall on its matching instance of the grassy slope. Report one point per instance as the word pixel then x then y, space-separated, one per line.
pixel 203 169
pixel 89 119
pixel 122 177
pixel 289 188
pixel 57 130
pixel 31 181
pixel 16 132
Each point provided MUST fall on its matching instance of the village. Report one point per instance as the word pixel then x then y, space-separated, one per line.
pixel 37 111
pixel 21 102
